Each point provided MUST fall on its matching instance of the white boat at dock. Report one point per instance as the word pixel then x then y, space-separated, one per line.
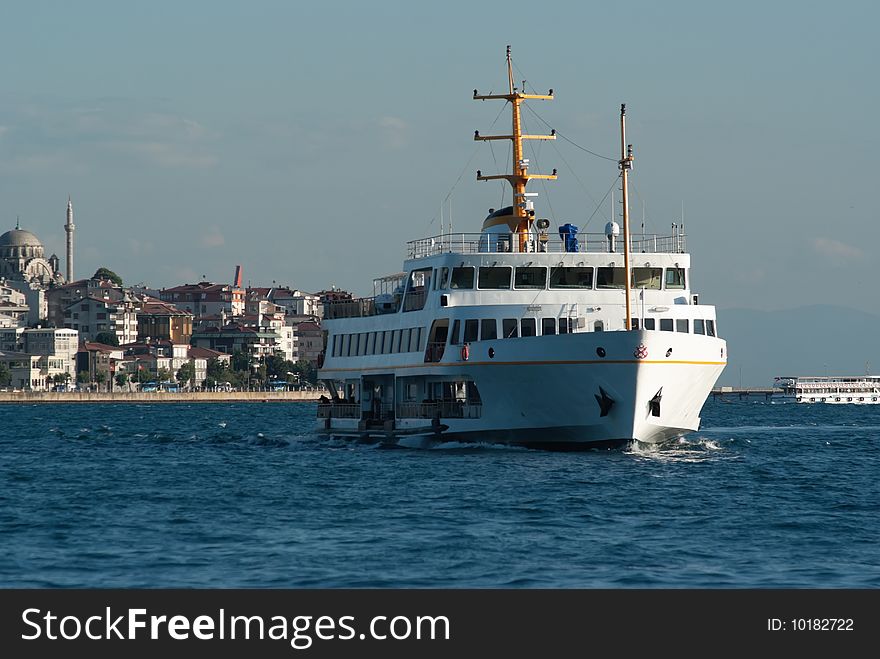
pixel 831 389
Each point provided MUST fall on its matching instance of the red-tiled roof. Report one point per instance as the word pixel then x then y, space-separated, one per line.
pixel 206 353
pixel 91 346
pixel 154 307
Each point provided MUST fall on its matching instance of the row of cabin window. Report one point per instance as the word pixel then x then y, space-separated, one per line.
pixel 535 277
pixel 486 329
pixel 378 343
pixel 700 326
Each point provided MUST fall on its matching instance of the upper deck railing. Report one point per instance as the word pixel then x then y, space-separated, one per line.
pixel 355 308
pixel 474 243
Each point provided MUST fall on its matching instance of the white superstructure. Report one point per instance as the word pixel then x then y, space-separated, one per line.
pixel 525 334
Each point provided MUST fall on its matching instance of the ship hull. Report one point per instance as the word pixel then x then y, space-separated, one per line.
pixel 575 391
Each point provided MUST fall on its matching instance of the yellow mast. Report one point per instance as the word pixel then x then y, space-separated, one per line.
pixel 625 164
pixel 522 217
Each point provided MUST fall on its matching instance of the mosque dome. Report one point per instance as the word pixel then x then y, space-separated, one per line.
pixel 19 238
pixel 20 244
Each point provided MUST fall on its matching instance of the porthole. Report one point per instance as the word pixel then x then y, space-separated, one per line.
pixel 600 351
pixel 491 353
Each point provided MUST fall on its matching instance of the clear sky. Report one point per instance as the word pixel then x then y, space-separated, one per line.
pixel 309 141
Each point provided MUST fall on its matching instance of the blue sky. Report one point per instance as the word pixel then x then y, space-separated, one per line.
pixel 309 141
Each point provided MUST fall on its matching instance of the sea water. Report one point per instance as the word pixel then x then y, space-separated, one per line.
pixel 245 495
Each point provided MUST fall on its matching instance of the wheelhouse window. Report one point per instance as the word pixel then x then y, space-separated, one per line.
pixel 666 324
pixel 710 328
pixel 548 326
pixel 415 339
pixel 417 288
pixel 650 324
pixel 462 277
pixel 495 278
pixel 455 333
pixel 647 278
pixel 681 325
pixel 674 278
pixel 529 327
pixel 565 325
pixel 488 329
pixel 610 278
pixel 441 280
pixel 699 326
pixel 510 328
pixel 530 277
pixel 571 277
pixel 471 327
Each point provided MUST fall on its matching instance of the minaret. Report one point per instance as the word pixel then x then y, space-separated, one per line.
pixel 69 227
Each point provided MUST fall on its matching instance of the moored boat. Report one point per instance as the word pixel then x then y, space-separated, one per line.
pixel 831 389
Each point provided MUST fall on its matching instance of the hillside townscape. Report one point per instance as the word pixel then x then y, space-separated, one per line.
pixel 60 333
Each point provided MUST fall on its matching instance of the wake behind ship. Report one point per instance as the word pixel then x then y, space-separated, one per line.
pixel 520 335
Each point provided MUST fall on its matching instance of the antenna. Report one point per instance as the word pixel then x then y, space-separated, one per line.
pixel 643 222
pixel 625 164
pixel 450 214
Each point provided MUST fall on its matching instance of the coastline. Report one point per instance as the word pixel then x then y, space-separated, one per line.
pixel 158 397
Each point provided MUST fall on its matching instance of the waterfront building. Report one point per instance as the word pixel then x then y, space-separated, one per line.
pixel 13 307
pixel 95 358
pixel 59 298
pixel 92 316
pixel 308 341
pixel 57 348
pixel 236 337
pixel 12 339
pixel 163 320
pixel 206 299
pixel 25 370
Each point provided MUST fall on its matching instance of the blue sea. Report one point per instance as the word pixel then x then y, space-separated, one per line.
pixel 245 496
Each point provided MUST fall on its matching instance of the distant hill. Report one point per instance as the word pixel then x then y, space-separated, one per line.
pixel 812 340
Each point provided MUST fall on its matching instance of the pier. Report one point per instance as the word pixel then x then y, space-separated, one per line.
pixel 745 392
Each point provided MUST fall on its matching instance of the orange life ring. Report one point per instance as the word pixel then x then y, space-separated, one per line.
pixel 465 352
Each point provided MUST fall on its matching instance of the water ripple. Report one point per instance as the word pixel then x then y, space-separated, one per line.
pixel 178 496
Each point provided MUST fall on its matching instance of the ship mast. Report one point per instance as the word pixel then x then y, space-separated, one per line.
pixel 625 164
pixel 523 215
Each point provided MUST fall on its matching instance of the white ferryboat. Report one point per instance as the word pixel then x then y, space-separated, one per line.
pixel 519 336
pixel 832 389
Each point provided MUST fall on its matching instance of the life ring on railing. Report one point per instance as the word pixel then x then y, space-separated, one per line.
pixel 465 352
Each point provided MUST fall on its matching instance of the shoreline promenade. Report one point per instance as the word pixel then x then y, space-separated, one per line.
pixel 158 396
